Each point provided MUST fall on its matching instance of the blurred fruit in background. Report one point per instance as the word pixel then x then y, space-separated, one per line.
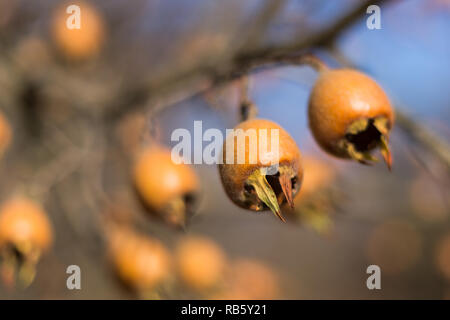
pixel 315 203
pixel 168 189
pixel 25 233
pixel 200 263
pixel 76 44
pixel 395 246
pixel 143 263
pixel 318 174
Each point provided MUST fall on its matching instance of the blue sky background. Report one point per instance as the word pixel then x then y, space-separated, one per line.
pixel 409 57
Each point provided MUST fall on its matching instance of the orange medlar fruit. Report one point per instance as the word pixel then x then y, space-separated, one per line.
pixel 200 262
pixel 5 134
pixel 168 188
pixel 141 262
pixel 79 43
pixel 350 115
pixel 25 233
pixel 251 184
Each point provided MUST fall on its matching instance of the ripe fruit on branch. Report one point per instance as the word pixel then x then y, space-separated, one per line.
pixel 141 262
pixel 25 233
pixel 5 134
pixel 350 115
pixel 78 43
pixel 200 262
pixel 24 224
pixel 168 188
pixel 249 184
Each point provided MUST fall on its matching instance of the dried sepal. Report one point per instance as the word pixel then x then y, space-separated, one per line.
pixel 265 192
pixel 285 180
pixel 18 265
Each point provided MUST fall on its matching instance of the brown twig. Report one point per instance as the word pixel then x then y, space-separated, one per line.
pixel 248 109
pixel 424 137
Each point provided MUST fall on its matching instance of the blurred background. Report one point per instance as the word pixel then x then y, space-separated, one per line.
pixel 74 113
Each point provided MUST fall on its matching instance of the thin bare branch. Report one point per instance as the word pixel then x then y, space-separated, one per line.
pixel 423 136
pixel 200 77
pixel 247 107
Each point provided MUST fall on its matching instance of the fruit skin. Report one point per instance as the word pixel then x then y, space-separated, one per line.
pixel 160 181
pixel 235 176
pixel 80 43
pixel 200 262
pixel 142 263
pixel 5 134
pixel 339 98
pixel 24 223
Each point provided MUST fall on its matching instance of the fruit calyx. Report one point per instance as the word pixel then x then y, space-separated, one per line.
pixel 364 135
pixel 271 192
pixel 18 264
pixel 179 210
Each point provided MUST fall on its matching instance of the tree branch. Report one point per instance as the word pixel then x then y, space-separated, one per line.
pixel 424 137
pixel 322 38
pixel 201 77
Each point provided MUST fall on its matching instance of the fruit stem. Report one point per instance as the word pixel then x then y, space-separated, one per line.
pixel 313 61
pixel 247 108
